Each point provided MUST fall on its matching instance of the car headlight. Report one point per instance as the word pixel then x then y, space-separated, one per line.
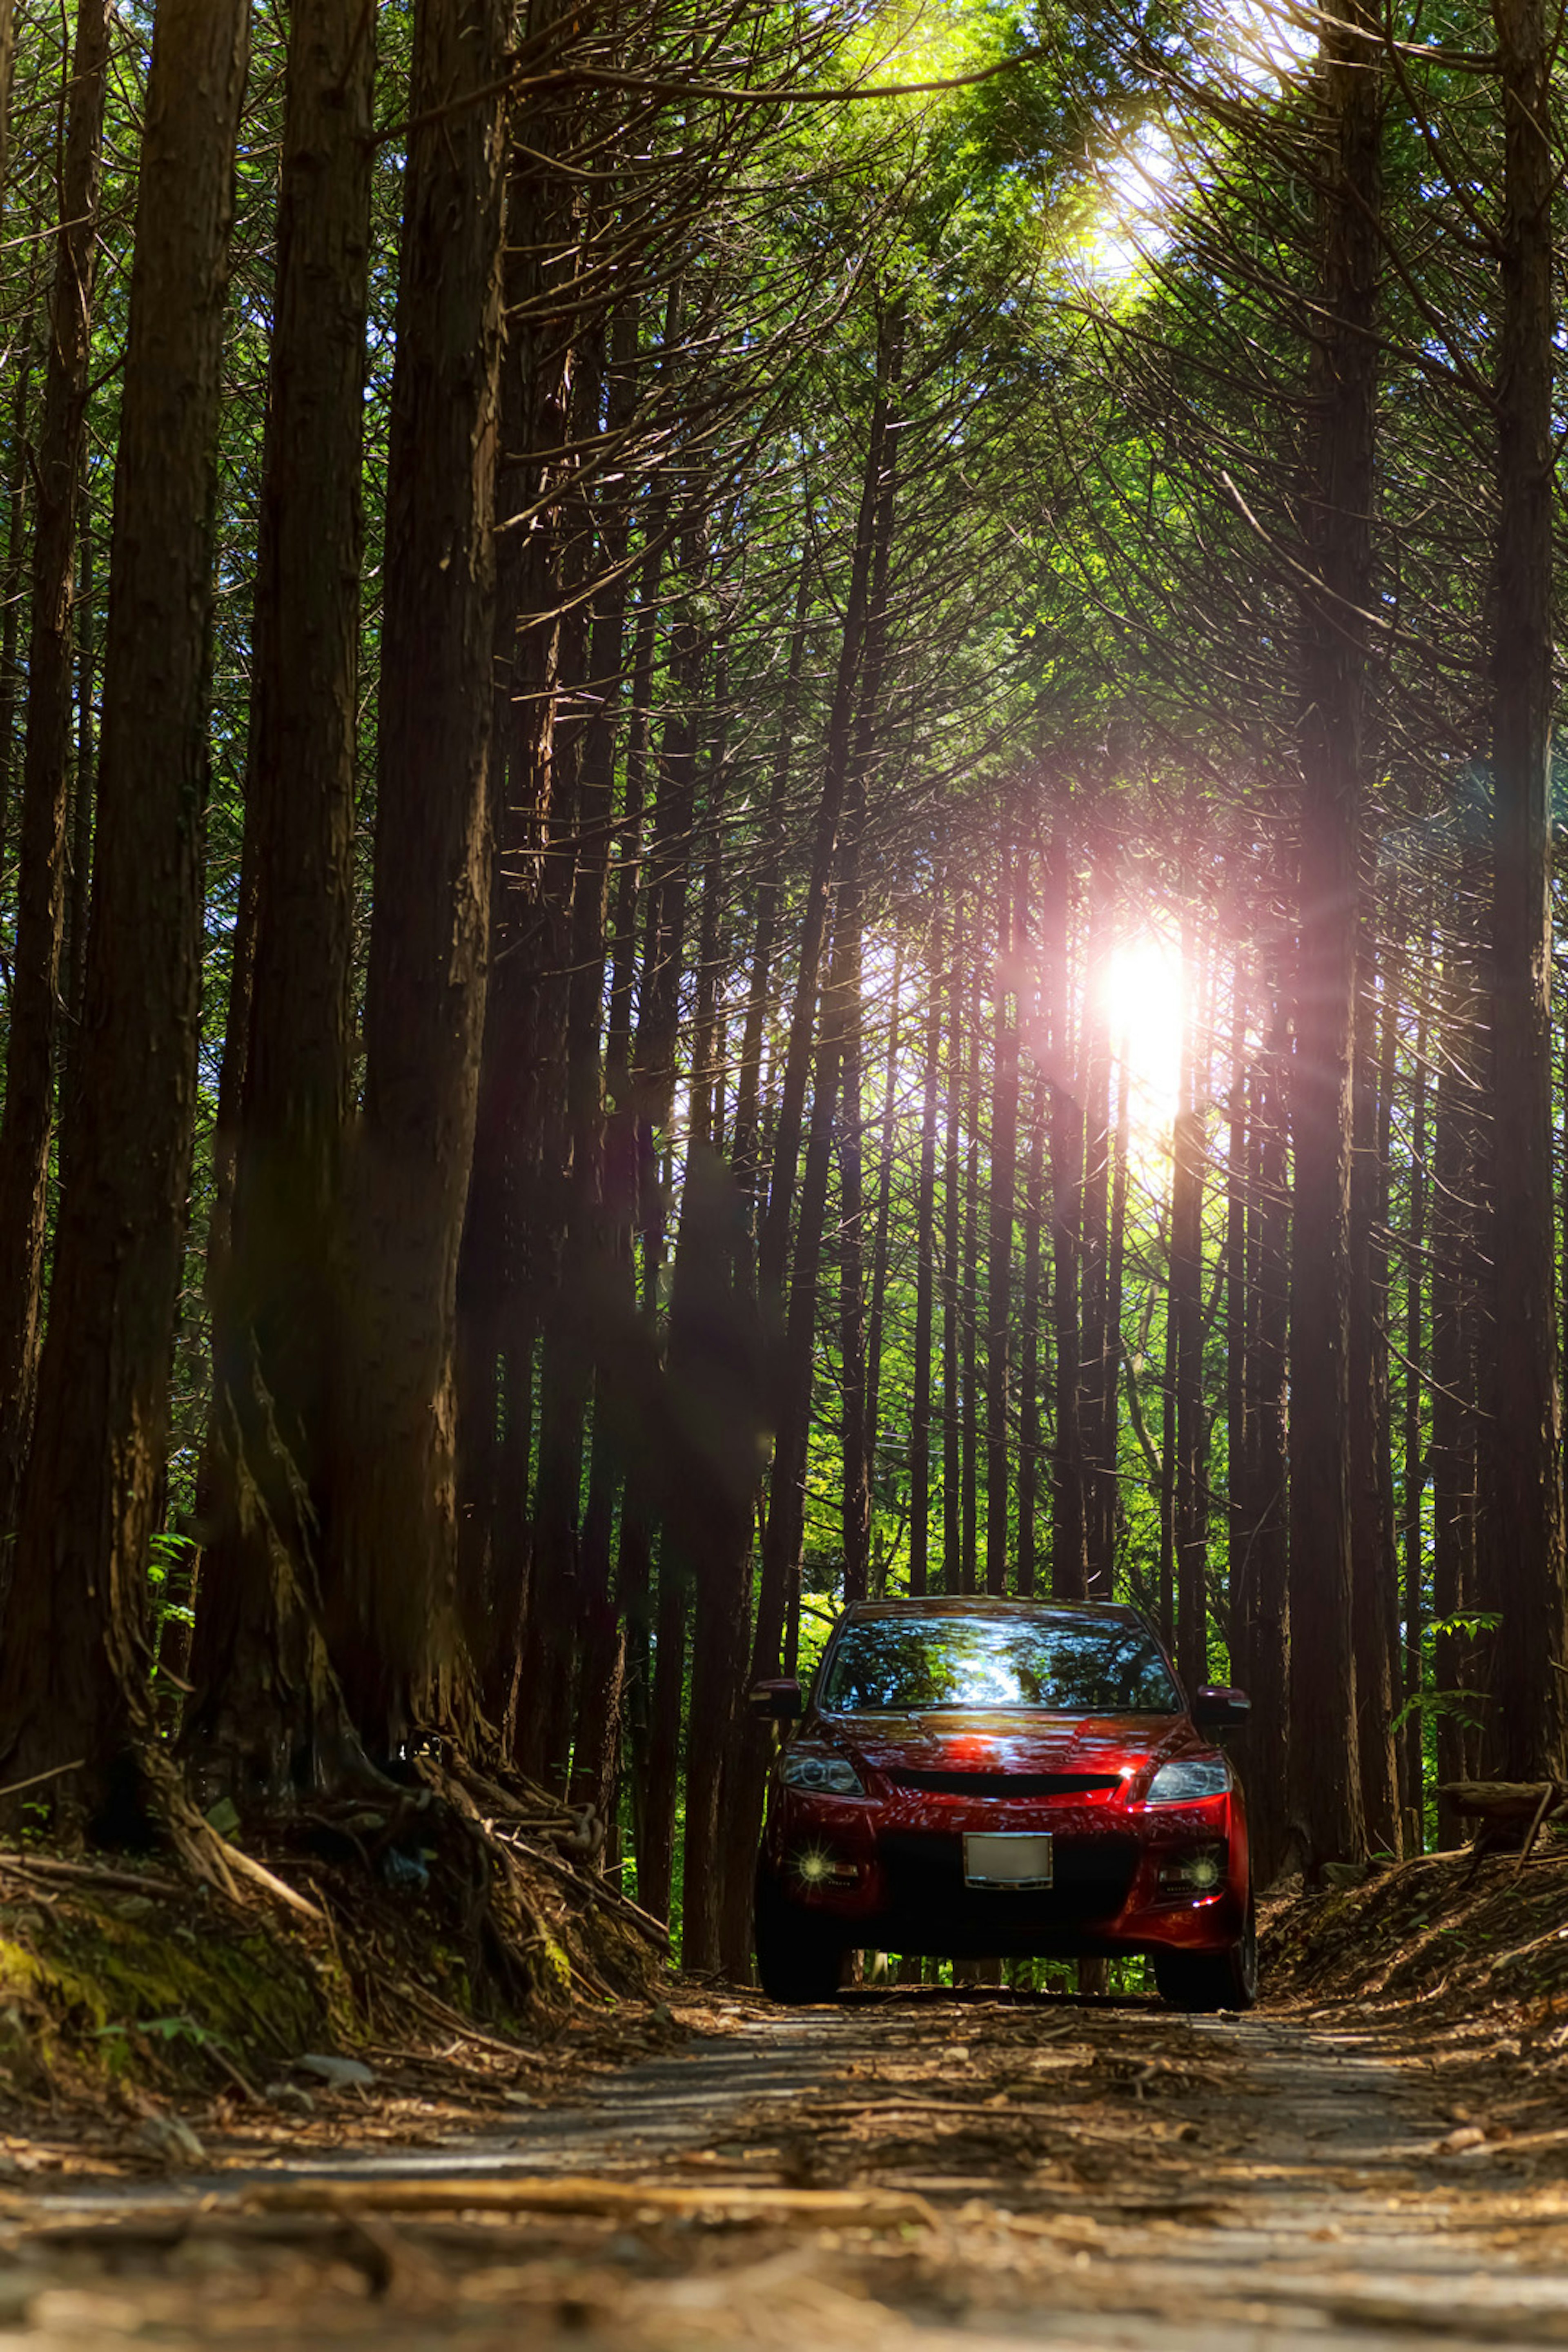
pixel 1182 1783
pixel 830 1776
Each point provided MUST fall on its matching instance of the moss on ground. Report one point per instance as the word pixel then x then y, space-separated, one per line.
pixel 112 1990
pixel 101 1988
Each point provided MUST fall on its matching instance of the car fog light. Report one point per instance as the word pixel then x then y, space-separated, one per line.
pixel 1194 1873
pixel 816 1868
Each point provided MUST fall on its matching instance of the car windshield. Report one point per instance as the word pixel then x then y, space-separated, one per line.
pixel 1066 1665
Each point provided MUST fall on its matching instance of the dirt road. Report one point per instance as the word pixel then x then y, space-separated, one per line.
pixel 908 2173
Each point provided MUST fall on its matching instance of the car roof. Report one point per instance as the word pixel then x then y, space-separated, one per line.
pixel 987 1604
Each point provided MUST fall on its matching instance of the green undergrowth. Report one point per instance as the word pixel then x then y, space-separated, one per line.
pixel 172 1993
pixel 107 1991
pixel 1442 1930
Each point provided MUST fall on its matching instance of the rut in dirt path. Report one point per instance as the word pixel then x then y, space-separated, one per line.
pixel 899 2174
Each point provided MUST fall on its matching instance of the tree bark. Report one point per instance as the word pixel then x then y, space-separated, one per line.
pixel 1414 1483
pixel 1031 1373
pixel 1006 986
pixel 969 1305
pixel 1189 1500
pixel 79 876
pixel 33 1010
pixel 259 1665
pixel 1069 1557
pixel 745 1154
pixel 1453 1451
pixel 925 1281
pixel 855 1509
pixel 74 1677
pixel 394 1487
pixel 1371 1520
pixel 1325 1771
pixel 7 70
pixel 1098 1463
pixel 884 1217
pixel 600 1187
pixel 1238 1312
pixel 951 1216
pixel 1529 1715
pixel 873 523
pixel 1266 1562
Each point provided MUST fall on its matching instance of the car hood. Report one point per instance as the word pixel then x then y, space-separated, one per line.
pixel 972 1741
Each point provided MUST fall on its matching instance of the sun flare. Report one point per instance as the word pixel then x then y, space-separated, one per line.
pixel 1143 988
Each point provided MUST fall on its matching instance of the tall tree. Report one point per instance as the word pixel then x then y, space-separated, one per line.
pixel 1005 990
pixel 46 757
pixel 393 1497
pixel 925 1280
pixel 1069 1560
pixel 1524 1499
pixel 1325 1778
pixel 73 1677
pixel 259 1658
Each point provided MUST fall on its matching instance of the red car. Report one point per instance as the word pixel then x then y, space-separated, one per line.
pixel 984 1777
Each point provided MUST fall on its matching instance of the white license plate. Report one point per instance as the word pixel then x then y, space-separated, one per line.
pixel 1011 1858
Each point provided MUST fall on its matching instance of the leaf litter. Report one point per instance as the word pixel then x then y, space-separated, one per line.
pixel 954 2174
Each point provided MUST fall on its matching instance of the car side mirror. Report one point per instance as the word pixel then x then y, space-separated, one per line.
pixel 776 1701
pixel 1219 1709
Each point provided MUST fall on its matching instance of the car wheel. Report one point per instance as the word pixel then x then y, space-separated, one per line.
pixel 1209 1980
pixel 799 1960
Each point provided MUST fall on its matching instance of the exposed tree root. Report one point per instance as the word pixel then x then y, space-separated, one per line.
pixel 442 1908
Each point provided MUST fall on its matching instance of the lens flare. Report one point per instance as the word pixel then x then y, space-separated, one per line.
pixel 1143 998
pixel 816 1866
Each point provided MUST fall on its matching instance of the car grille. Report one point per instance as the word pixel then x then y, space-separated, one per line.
pixel 1090 1877
pixel 1006 1784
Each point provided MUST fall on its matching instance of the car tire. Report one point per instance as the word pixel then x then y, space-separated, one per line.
pixel 1211 1980
pixel 799 1960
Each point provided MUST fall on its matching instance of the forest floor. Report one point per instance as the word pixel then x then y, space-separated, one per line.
pixel 1377 2155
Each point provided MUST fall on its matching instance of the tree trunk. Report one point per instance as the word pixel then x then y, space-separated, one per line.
pixel 884 1215
pixel 1030 1369
pixel 259 1668
pixel 77 896
pixel 1529 1715
pixel 1239 1315
pixel 1069 1557
pixel 969 1310
pixel 655 1846
pixel 1413 1485
pixel 562 1212
pixel 745 1153
pixel 1325 1771
pixel 603 1188
pixel 7 68
pixel 713 1360
pixel 30 1047
pixel 873 522
pixel 951 1214
pixel 74 1677
pixel 394 1487
pixel 925 1282
pixel 1189 1501
pixel 1372 1528
pixel 1099 1462
pixel 1005 987
pixel 855 1509
pixel 1266 1670
pixel 11 598
pixel 1453 1382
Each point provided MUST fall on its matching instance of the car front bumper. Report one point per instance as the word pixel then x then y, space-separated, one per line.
pixel 1124 1880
